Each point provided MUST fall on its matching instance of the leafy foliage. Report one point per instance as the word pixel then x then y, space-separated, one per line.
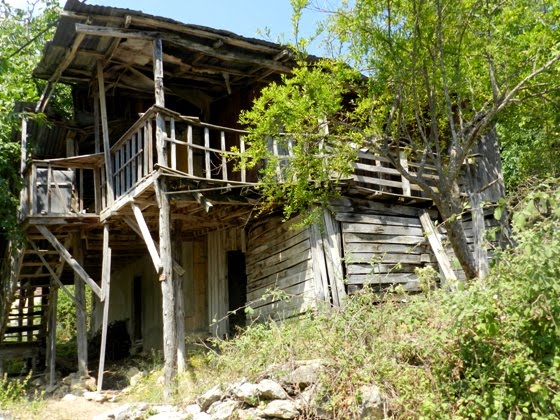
pixel 22 35
pixel 440 76
pixel 307 174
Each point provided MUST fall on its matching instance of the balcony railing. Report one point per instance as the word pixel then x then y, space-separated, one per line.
pixel 196 149
pixel 190 149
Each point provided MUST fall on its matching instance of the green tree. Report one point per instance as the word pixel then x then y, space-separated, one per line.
pixel 23 33
pixel 440 74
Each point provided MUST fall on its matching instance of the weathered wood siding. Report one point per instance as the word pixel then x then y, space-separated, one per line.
pixel 279 257
pixel 383 244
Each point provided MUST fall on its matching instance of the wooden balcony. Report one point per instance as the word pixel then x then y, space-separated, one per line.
pixel 189 150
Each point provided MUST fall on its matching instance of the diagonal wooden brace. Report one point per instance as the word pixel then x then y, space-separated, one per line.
pixel 69 259
pixel 144 233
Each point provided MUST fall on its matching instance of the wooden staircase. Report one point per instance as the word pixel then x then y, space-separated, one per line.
pixel 25 300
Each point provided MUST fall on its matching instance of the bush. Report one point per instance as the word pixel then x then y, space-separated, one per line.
pixel 507 328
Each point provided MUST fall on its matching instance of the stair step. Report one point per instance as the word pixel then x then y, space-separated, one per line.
pixel 36 313
pixel 23 328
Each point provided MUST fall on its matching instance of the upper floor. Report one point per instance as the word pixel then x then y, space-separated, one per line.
pixel 152 97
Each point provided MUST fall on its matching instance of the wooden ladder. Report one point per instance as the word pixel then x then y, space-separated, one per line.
pixel 26 294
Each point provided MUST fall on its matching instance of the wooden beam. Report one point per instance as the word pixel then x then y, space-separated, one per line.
pixel 69 259
pixel 81 322
pixel 146 235
pixel 63 65
pixel 93 30
pixel 105 130
pixel 437 246
pixel 184 43
pixel 177 268
pixel 106 284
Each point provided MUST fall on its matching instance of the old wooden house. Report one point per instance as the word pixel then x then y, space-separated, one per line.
pixel 134 198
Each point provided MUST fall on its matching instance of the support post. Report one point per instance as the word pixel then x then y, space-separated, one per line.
pixel 405 182
pixel 51 337
pixel 160 101
pixel 179 309
pixel 80 294
pixel 105 130
pixel 167 290
pixel 105 298
pixel 478 228
pixel 24 197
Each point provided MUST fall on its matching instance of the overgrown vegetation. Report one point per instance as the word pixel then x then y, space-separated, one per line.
pixel 432 79
pixel 486 350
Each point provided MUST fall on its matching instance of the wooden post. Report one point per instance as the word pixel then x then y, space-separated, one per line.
pixel 207 168
pixel 51 338
pixel 405 182
pixel 190 158
pixel 105 298
pixel 160 101
pixel 96 121
pixel 79 292
pixel 179 308
pixel 224 160
pixel 158 72
pixel 167 290
pixel 478 228
pixel 23 145
pixel 105 130
pixel 242 150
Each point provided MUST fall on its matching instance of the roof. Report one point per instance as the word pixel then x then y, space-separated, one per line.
pixel 195 57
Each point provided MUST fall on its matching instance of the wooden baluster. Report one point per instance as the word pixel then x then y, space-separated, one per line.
pixel 133 152
pixel 117 174
pixel 81 192
pixel 139 154
pixel 122 174
pixel 33 190
pixel 97 190
pixel 279 166
pixel 173 145
pixel 49 180
pixel 242 150
pixel 190 160
pixel 127 162
pixel 207 153
pixel 405 182
pixel 224 160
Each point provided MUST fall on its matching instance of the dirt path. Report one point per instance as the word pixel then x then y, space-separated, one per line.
pixel 76 409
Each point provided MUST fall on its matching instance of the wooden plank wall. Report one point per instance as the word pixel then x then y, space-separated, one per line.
pixel 279 257
pixel 383 244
